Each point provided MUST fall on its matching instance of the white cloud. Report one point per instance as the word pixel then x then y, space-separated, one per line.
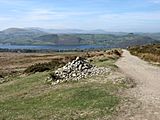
pixel 130 22
pixel 14 2
pixel 39 16
pixel 50 14
pixel 155 1
pixel 4 18
pixel 138 16
pixel 42 14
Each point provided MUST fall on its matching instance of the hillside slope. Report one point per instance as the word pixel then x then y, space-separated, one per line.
pixel 19 36
pixel 30 36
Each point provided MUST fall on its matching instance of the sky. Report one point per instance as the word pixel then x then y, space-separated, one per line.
pixel 109 15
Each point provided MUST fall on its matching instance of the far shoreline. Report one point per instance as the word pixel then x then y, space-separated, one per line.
pixel 51 48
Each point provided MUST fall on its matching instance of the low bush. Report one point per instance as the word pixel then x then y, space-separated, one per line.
pixel 103 60
pixel 1 76
pixel 117 52
pixel 41 67
pixel 54 76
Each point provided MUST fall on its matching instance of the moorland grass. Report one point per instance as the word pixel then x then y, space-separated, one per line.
pixel 30 98
pixel 149 53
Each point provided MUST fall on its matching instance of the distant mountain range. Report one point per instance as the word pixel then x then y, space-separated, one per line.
pixel 76 31
pixel 39 36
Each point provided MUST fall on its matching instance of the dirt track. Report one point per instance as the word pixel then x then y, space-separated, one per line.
pixel 148 85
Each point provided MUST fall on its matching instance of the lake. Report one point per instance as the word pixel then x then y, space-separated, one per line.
pixel 52 47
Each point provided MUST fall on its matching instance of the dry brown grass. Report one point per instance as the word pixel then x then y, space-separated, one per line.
pixel 149 53
pixel 10 62
pixel 150 57
pixel 18 62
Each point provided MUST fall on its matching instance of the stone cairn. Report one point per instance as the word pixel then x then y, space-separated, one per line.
pixel 76 70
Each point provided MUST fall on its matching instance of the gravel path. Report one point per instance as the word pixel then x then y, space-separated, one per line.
pixel 148 86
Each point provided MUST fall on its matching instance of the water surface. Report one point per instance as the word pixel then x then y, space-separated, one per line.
pixel 52 47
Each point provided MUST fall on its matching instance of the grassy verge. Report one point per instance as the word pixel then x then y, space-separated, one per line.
pixel 105 62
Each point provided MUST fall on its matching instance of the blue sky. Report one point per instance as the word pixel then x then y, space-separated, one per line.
pixel 110 15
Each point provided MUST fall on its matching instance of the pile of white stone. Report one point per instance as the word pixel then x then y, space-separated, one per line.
pixel 76 70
